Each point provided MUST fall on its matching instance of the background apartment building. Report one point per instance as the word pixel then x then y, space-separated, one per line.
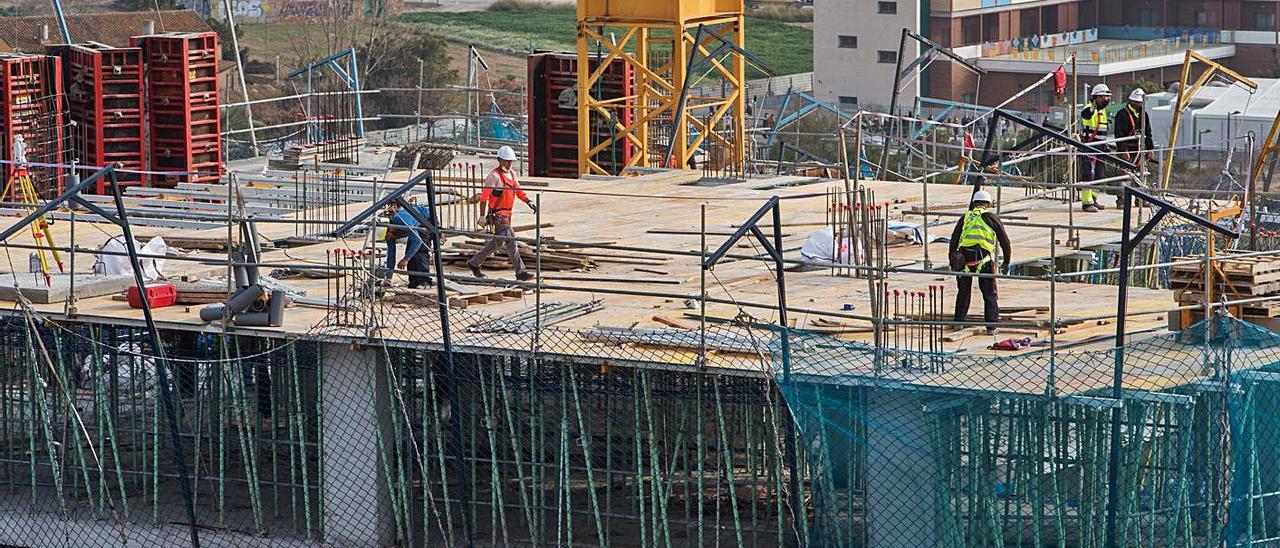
pixel 1119 42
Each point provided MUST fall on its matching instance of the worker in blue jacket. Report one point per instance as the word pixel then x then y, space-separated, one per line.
pixel 417 248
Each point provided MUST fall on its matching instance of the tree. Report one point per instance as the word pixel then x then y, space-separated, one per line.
pixel 397 67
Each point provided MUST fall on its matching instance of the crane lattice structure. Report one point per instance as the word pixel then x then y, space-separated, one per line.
pixel 659 123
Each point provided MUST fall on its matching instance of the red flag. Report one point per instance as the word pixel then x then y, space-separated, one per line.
pixel 1059 81
pixel 968 142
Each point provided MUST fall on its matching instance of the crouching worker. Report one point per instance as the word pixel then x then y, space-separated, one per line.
pixel 417 247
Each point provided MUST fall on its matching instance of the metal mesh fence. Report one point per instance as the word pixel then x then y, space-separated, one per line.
pixel 915 449
pixel 337 439
pixel 354 435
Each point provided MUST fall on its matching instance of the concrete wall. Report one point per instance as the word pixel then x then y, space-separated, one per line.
pixel 847 72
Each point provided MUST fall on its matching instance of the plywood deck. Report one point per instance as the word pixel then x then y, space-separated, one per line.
pixel 625 211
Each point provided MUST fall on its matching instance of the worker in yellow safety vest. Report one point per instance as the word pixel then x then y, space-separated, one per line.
pixel 972 250
pixel 1096 127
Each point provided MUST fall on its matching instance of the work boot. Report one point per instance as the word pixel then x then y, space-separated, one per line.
pixel 1089 208
pixel 991 330
pixel 524 276
pixel 475 271
pixel 1099 206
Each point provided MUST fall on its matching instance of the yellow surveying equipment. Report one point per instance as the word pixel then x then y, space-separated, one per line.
pixel 20 180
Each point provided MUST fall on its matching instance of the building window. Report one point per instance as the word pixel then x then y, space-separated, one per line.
pixel 848 42
pixel 1148 17
pixel 967 98
pixel 848 101
pixel 970 28
pixel 887 56
pixel 1264 21
pixel 888 8
pixel 1202 18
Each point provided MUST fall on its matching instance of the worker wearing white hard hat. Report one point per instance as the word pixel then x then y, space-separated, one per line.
pixel 1129 121
pixel 972 250
pixel 499 194
pixel 1095 125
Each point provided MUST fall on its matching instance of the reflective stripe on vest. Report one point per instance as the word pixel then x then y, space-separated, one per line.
pixel 1099 124
pixel 976 231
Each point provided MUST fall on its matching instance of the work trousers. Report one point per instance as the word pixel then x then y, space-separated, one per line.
pixel 502 234
pixel 964 293
pixel 420 267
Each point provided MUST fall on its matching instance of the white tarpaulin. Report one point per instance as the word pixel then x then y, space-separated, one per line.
pixel 820 247
pixel 152 268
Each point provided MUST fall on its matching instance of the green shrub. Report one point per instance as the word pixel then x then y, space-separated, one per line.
pixel 530 5
pixel 783 13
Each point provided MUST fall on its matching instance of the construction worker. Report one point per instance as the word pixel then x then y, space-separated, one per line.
pixel 1096 126
pixel 972 249
pixel 498 196
pixel 417 250
pixel 1128 120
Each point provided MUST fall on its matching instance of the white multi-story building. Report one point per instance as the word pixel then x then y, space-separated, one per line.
pixel 855 49
pixel 1118 42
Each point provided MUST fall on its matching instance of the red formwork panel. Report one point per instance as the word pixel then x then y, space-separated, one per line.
pixel 553 128
pixel 31 107
pixel 183 126
pixel 105 105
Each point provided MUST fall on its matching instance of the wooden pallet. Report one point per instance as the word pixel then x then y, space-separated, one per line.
pixel 1260 310
pixel 1233 276
pixel 1227 264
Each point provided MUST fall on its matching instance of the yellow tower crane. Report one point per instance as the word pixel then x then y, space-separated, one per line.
pixel 668 46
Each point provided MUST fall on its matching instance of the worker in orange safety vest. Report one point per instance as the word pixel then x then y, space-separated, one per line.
pixel 499 194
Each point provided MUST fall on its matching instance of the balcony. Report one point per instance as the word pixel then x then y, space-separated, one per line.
pixel 953 6
pixel 1106 57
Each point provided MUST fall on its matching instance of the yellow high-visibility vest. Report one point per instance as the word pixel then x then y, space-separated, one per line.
pixel 976 232
pixel 1098 125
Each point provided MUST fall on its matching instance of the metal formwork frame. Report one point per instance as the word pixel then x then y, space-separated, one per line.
pixel 661 72
pixel 105 102
pixel 182 106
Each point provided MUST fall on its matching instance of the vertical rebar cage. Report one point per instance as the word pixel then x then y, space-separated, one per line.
pixel 31 109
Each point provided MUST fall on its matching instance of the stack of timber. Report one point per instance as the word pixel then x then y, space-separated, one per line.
pixel 555 256
pixel 310 154
pixel 1234 278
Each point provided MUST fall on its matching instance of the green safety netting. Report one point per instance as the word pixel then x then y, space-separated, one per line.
pixel 933 449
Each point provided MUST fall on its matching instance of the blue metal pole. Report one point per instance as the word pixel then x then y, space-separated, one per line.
pixel 62 21
pixel 355 85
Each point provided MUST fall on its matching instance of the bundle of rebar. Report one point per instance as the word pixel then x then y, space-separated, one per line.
pixel 680 338
pixel 526 321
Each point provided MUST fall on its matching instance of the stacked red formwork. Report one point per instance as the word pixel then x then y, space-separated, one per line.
pixel 104 96
pixel 553 114
pixel 182 106
pixel 31 108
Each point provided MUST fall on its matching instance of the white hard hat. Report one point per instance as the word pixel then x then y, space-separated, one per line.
pixel 982 196
pixel 505 153
pixel 1101 89
pixel 1138 95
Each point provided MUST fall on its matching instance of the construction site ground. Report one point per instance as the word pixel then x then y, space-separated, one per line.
pixel 661 211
